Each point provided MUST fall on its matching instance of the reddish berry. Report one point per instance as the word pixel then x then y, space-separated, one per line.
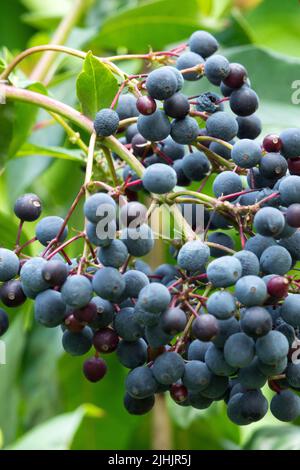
pixel 73 324
pixel 86 314
pixel 178 392
pixel 146 105
pixel 237 76
pixel 294 166
pixel 272 143
pixel 94 369
pixel 106 340
pixel 278 287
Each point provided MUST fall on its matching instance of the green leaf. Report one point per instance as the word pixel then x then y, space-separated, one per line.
pixel 54 152
pixel 275 438
pixel 57 433
pixel 96 86
pixel 153 23
pixel 275 24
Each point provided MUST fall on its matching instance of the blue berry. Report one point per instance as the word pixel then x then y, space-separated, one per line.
pixel 196 376
pixel 140 383
pixel 9 265
pixel 290 139
pixel 246 153
pixel 159 178
pixel 77 291
pixel 105 313
pixel 161 83
pixel 221 304
pixel 273 165
pixel 168 368
pixel 138 406
pixel 48 228
pixel 221 239
pixel 285 406
pixel 272 347
pixel 250 290
pixel 97 206
pixel 106 122
pixel 139 241
pixel 290 310
pixel 203 43
pixel 215 361
pixel 222 126
pixel 249 126
pixel 256 321
pixel 132 354
pixel 126 325
pixel 154 298
pixel 226 328
pixel 172 149
pixel 101 234
pixel 239 350
pixel 216 69
pixel 155 127
pixel 187 61
pixel 113 255
pixel 156 336
pixel 249 262
pixel 197 350
pixel 292 244
pixel 217 387
pixel 224 271
pixel 227 183
pixel 77 344
pixel 32 278
pixel 177 106
pixel 109 284
pixel 184 131
pixel 195 165
pixel 49 308
pixel 269 221
pixel 289 189
pixel 221 150
pixel 134 282
pixel 193 255
pixel 173 321
pixel 258 244
pixel 251 377
pixel 126 107
pixel 275 260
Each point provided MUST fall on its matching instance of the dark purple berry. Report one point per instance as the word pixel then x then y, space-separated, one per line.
pixel 294 166
pixel 205 327
pixel 106 340
pixel 55 272
pixel 237 76
pixel 28 207
pixel 140 146
pixel 177 106
pixel 94 369
pixel 146 105
pixel 86 314
pixel 293 215
pixel 11 294
pixel 4 323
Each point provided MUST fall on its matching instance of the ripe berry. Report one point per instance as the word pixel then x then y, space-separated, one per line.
pixel 73 324
pixel 278 286
pixel 28 207
pixel 205 327
pixel 178 392
pixel 55 272
pixel 106 340
pixel 161 83
pixel 11 294
pixel 294 166
pixel 94 369
pixel 9 264
pixel 244 101
pixel 293 215
pixel 86 314
pixel 146 105
pixel 48 228
pixel 140 146
pixel 237 76
pixel 272 143
pixel 106 122
pixel 177 106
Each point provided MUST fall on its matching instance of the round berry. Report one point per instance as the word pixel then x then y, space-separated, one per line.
pixel 146 105
pixel 28 207
pixel 55 272
pixel 11 294
pixel 106 122
pixel 159 178
pixel 161 83
pixel 9 265
pixel 94 369
pixel 237 76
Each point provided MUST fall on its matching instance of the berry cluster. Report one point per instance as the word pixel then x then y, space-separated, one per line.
pixel 219 323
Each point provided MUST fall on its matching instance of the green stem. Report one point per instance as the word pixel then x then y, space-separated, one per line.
pixel 74 137
pixel 203 198
pixel 111 165
pixel 43 68
pixel 215 157
pixel 214 139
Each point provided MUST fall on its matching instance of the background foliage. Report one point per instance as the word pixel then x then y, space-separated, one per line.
pixel 45 402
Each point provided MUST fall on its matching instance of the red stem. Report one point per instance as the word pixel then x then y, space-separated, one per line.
pixel 64 245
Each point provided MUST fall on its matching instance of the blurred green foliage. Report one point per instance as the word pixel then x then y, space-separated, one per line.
pixel 45 401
